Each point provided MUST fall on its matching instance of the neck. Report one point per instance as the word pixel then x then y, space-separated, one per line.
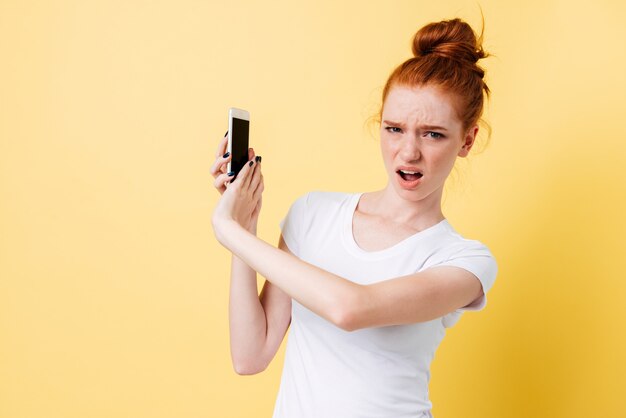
pixel 395 205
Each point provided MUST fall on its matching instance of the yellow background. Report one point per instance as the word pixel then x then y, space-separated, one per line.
pixel 113 290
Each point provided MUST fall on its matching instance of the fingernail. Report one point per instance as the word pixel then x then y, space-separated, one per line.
pixel 226 155
pixel 232 173
pixel 226 133
pixel 251 162
pixel 258 158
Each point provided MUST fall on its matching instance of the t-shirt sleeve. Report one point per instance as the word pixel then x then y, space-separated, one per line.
pixel 292 224
pixel 478 260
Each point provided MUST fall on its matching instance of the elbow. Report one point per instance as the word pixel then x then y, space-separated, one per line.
pixel 247 369
pixel 346 321
pixel 347 313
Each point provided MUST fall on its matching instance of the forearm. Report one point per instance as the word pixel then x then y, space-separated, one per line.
pixel 324 293
pixel 247 319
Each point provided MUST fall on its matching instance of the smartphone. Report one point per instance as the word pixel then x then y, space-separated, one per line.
pixel 238 138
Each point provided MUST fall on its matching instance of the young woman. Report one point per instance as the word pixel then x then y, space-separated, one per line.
pixel 368 281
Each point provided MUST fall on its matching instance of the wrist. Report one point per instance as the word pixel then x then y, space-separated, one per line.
pixel 224 231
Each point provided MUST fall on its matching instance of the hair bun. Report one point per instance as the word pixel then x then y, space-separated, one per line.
pixel 446 55
pixel 452 39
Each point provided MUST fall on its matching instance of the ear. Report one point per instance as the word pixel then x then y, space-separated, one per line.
pixel 468 141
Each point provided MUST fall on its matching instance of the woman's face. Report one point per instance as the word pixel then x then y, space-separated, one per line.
pixel 421 133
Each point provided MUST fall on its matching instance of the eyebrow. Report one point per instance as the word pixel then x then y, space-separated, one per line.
pixel 441 128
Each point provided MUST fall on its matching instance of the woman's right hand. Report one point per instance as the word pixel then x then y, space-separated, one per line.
pixel 218 170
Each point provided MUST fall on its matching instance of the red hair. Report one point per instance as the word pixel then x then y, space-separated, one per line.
pixel 446 55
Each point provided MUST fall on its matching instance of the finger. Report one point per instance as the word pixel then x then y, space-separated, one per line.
pixel 221 181
pixel 243 174
pixel 258 192
pixel 220 164
pixel 222 146
pixel 250 175
pixel 256 176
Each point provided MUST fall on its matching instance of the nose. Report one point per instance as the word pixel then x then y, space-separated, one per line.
pixel 410 150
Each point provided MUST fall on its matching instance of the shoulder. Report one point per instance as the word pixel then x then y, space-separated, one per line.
pixel 455 243
pixel 447 246
pixel 312 213
pixel 470 254
pixel 317 199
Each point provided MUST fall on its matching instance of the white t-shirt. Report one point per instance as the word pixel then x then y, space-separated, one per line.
pixel 380 372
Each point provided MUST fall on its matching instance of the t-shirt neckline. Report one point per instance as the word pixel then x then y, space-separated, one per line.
pixel 353 247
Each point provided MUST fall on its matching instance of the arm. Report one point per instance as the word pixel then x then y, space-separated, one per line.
pixel 417 297
pixel 258 323
pixel 320 291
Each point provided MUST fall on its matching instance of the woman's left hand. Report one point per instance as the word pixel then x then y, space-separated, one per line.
pixel 241 201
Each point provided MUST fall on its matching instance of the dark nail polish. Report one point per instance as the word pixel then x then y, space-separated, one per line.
pixel 226 155
pixel 258 158
pixel 226 134
pixel 232 173
pixel 251 162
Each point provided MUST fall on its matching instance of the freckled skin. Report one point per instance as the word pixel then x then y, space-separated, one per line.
pixel 406 142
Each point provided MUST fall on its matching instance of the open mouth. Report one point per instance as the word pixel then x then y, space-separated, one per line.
pixel 409 175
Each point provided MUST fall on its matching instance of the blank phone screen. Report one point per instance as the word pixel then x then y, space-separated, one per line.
pixel 240 145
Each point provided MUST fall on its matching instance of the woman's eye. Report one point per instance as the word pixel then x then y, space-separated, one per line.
pixel 393 129
pixel 435 135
